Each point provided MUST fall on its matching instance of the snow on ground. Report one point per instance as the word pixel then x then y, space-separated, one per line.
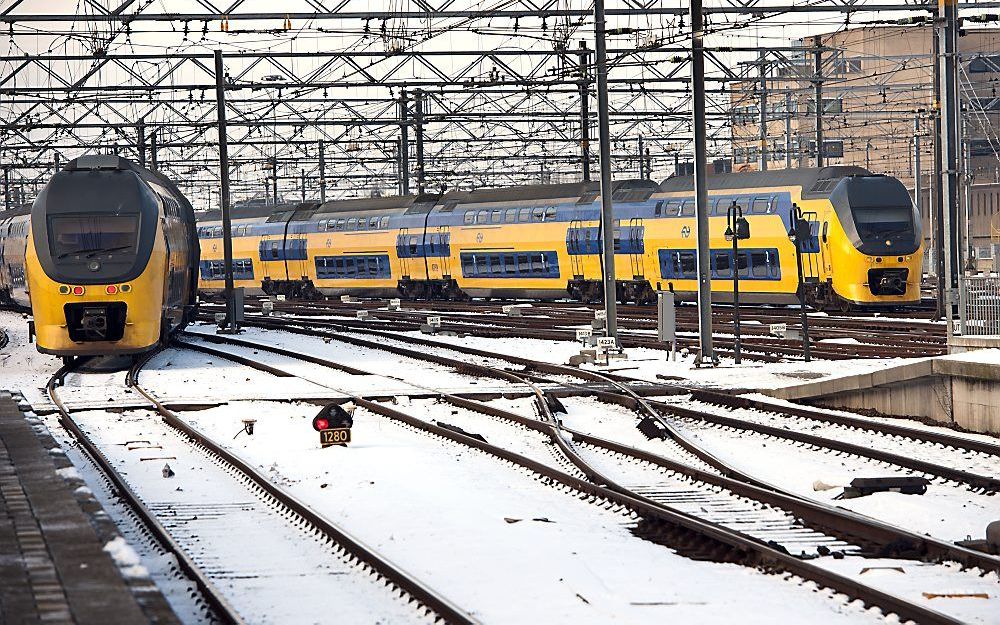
pixel 270 570
pixel 945 511
pixel 21 366
pixel 494 539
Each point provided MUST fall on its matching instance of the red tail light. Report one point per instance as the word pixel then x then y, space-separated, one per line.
pixel 78 290
pixel 112 289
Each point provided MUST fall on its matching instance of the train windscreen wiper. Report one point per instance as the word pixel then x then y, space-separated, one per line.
pixel 90 251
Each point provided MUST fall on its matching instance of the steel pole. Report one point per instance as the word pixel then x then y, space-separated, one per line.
pixel 763 111
pixel 788 130
pixel 706 354
pixel 935 186
pixel 803 318
pixel 818 95
pixel 951 137
pixel 642 161
pixel 153 149
pixel 584 112
pixel 322 172
pixel 227 234
pixel 418 117
pixel 6 188
pixel 733 210
pixel 140 142
pixel 274 179
pixel 918 200
pixel 404 145
pixel 607 211
pixel 302 184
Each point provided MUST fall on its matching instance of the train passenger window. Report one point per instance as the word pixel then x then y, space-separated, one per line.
pixel 373 223
pixel 218 231
pixel 742 264
pixel 352 223
pixel 510 215
pixel 773 267
pixel 340 224
pixel 550 213
pixel 482 217
pixel 537 214
pixel 689 266
pixel 274 249
pixel 722 264
pixel 673 208
pixel 494 216
pixel 538 263
pixel 658 211
pixel 687 208
pixel 523 264
pixel 362 223
pixel 758 261
pixel 413 245
pixel 321 226
pixel 384 222
pixel 469 217
pixel 761 206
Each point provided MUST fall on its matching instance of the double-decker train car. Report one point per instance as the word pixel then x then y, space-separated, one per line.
pixel 543 241
pixel 106 258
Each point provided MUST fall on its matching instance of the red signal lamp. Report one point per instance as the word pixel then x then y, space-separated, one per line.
pixel 78 290
pixel 111 289
pixel 321 423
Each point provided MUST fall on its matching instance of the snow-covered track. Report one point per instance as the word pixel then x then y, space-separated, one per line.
pixel 625 393
pixel 662 521
pixel 431 601
pixel 220 606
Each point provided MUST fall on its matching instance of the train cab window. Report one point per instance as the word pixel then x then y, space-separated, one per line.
pixel 550 213
pixel 469 217
pixel 494 216
pixel 352 223
pixel 761 206
pixel 687 208
pixel 524 214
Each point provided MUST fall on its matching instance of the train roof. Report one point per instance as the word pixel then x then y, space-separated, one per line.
pixel 409 203
pixel 24 209
pixel 815 181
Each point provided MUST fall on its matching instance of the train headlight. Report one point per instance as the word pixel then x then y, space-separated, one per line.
pixel 111 289
pixel 94 265
pixel 126 288
pixel 79 290
pixel 63 289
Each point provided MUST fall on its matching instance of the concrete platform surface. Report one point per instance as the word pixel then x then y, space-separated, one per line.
pixel 53 567
pixel 961 389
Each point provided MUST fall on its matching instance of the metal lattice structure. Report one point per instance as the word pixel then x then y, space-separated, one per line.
pixel 342 97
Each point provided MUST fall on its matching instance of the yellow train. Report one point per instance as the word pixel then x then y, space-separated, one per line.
pixel 106 258
pixel 542 242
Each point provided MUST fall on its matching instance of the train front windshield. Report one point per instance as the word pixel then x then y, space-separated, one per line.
pixel 92 235
pixel 882 215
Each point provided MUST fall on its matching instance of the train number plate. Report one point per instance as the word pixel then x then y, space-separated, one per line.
pixel 334 436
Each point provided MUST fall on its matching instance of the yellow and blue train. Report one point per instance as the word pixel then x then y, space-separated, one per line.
pixel 106 257
pixel 542 242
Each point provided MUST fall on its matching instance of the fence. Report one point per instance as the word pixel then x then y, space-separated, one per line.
pixel 979 305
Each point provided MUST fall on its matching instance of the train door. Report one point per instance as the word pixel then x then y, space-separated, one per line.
pixel 440 252
pixel 296 255
pixel 403 252
pixel 574 246
pixel 635 248
pixel 811 249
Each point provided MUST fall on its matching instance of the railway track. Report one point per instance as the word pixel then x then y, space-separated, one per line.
pixel 242 500
pixel 668 491
pixel 833 337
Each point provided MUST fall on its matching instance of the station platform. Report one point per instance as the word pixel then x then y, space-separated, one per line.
pixel 53 567
pixel 960 389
